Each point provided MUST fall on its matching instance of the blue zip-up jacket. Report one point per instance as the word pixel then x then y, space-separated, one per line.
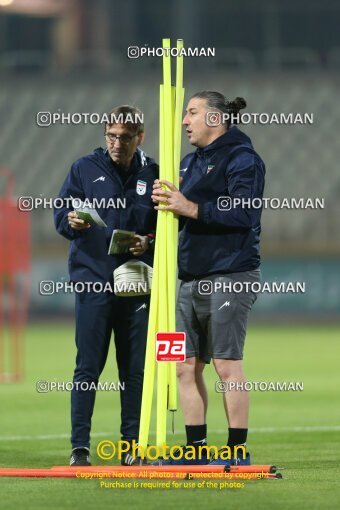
pixel 221 241
pixel 96 177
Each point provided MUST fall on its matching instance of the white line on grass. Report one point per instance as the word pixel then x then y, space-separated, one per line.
pixel 325 428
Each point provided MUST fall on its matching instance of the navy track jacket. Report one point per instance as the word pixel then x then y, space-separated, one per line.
pixel 221 241
pixel 96 177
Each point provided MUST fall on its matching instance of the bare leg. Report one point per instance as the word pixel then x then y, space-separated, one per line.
pixel 192 391
pixel 236 402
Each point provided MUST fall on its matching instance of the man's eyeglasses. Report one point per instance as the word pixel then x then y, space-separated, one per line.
pixel 124 139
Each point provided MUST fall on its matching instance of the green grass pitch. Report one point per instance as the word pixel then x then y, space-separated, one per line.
pixel 297 430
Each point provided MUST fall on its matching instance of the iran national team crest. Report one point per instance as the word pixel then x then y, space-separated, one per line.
pixel 141 187
pixel 210 168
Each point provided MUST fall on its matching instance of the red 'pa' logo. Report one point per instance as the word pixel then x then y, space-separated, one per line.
pixel 170 347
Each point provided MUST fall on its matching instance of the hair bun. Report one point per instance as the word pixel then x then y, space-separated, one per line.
pixel 239 103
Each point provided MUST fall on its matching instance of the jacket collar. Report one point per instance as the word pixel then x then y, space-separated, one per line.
pixel 231 137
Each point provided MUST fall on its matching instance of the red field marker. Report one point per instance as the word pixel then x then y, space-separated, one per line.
pixel 177 469
pixel 137 471
pixel 36 473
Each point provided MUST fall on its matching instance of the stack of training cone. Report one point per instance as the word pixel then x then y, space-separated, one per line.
pixel 132 278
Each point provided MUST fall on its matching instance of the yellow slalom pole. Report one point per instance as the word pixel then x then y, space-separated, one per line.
pixel 165 173
pixel 177 125
pixel 178 112
pixel 171 274
pixel 150 360
pixel 155 301
pixel 172 221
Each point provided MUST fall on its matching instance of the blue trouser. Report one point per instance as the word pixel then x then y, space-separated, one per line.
pixel 97 315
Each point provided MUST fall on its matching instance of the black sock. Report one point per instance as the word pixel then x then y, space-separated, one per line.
pixel 196 435
pixel 237 437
